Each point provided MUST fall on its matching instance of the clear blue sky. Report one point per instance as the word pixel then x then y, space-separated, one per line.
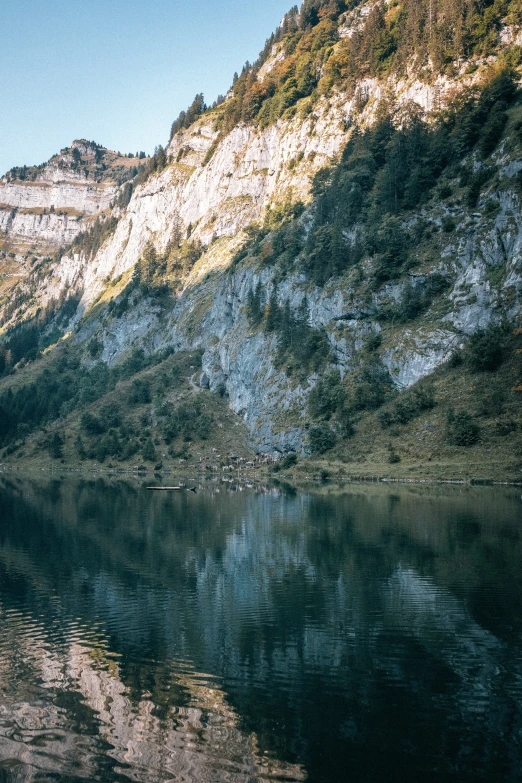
pixel 116 71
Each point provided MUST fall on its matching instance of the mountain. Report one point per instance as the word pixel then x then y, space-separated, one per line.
pixel 45 207
pixel 331 252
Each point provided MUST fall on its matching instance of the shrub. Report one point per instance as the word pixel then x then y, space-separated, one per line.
pixel 461 429
pixel 492 404
pixel 95 348
pixel 139 392
pixel 385 418
pixel 321 438
pixel 424 396
pixel 491 207
pixel 477 182
pixel 410 404
pixel 80 447
pixel 91 424
pixel 372 342
pixel 493 129
pixel 372 387
pixel 221 389
pixel 393 457
pixel 455 359
pixel 55 446
pixel 405 409
pixel 413 302
pixel 505 426
pixel 485 350
pixel 287 462
pixel 448 224
pixel 328 396
pixel 188 421
pixel 110 416
pixel 148 451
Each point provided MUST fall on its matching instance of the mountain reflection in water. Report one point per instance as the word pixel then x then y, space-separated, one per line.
pixel 259 635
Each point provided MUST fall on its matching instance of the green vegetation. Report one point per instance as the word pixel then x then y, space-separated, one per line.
pixel 90 241
pixel 160 272
pixel 385 173
pixel 485 349
pixel 97 163
pixel 462 429
pixel 462 421
pixel 410 404
pixel 63 386
pixel 337 405
pixel 142 410
pixel 382 216
pixel 321 438
pixel 26 341
pixel 188 421
pixel 289 461
pixel 187 118
pixel 416 299
pixel 301 349
pixel 317 61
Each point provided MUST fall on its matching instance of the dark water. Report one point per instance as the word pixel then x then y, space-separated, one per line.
pixel 259 635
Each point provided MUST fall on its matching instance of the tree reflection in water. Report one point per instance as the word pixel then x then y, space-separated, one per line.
pixel 364 635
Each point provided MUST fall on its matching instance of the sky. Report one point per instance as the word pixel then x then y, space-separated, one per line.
pixel 117 72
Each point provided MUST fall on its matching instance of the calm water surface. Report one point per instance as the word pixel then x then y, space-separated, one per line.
pixel 259 635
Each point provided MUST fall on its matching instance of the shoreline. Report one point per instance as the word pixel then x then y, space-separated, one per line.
pixel 324 477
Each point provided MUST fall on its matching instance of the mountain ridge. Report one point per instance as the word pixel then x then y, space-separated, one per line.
pixel 228 213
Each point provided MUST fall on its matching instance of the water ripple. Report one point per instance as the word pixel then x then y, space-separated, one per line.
pixel 255 637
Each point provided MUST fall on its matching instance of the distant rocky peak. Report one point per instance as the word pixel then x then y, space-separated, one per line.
pixel 85 147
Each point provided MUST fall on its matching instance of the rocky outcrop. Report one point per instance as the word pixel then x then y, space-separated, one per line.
pixel 76 195
pixel 239 362
pixel 40 228
pixel 219 185
pixel 216 186
pixel 53 203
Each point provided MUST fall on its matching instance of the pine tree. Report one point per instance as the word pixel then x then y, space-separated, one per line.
pixel 56 446
pixel 286 326
pixel 303 313
pixel 160 158
pixel 147 264
pixel 148 451
pixel 253 308
pixel 272 312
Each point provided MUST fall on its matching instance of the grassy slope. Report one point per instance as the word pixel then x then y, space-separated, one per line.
pixel 227 434
pixel 423 446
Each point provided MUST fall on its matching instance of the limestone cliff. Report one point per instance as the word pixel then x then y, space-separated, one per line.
pixel 218 189
pixel 45 207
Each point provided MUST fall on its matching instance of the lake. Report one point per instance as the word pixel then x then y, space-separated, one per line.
pixel 259 633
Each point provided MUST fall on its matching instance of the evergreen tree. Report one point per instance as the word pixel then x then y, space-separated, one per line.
pixel 286 327
pixel 160 158
pixel 253 309
pixel 148 451
pixel 56 446
pixel 272 312
pixel 303 313
pixel 147 264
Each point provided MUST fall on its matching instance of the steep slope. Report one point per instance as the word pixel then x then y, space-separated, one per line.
pixel 48 206
pixel 347 233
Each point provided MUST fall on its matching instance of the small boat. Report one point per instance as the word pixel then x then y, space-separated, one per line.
pixel 172 489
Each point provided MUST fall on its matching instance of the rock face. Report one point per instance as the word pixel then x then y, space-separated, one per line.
pixel 34 225
pixel 54 202
pixel 239 362
pixel 216 187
